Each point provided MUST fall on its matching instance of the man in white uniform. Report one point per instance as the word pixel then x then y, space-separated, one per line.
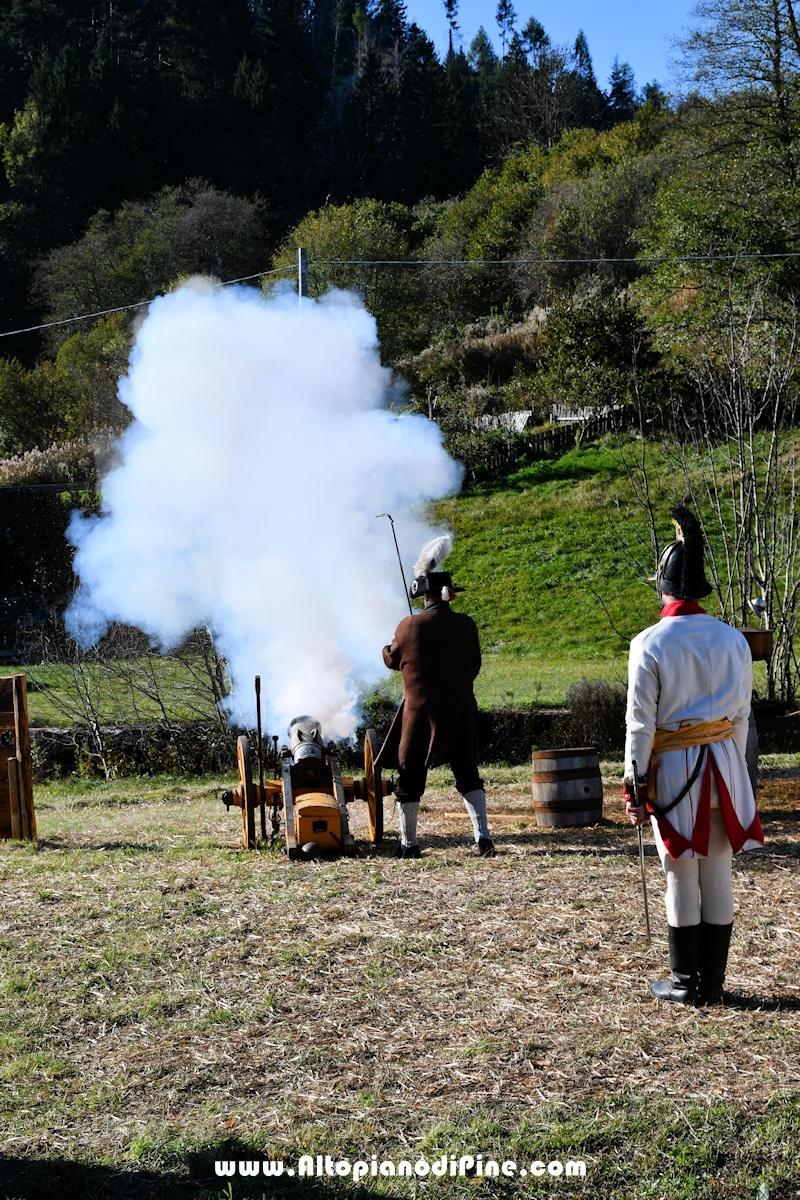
pixel 689 694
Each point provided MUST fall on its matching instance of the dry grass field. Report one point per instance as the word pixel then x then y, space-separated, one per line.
pixel 169 999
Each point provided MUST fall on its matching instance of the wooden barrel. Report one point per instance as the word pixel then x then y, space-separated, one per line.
pixel 760 643
pixel 567 788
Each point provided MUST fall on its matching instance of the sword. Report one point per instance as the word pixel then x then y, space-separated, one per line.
pixel 638 801
pixel 399 560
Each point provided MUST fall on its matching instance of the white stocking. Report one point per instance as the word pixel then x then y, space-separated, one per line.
pixel 475 804
pixel 408 814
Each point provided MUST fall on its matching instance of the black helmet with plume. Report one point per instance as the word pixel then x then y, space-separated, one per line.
pixel 680 567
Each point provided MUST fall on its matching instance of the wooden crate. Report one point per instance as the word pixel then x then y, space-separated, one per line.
pixel 17 814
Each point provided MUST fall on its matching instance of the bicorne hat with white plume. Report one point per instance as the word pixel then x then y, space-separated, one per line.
pixel 427 580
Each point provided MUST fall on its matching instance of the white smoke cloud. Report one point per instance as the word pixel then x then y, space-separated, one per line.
pixel 247 493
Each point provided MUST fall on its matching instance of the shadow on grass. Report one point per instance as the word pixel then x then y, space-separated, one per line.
pixel 66 1179
pixel 588 461
pixel 594 843
pixel 139 847
pixel 762 1003
pixel 535 845
pixel 63 1179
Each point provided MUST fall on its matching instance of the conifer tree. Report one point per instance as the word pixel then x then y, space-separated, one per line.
pixel 590 104
pixel 622 101
pixel 485 64
pixel 534 39
pixel 505 17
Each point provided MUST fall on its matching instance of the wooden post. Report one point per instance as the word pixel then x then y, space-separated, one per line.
pixel 14 799
pixel 248 793
pixel 17 812
pixel 25 769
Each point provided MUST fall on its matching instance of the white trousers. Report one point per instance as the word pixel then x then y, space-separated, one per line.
pixel 699 888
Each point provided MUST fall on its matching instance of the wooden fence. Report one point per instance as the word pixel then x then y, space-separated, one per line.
pixel 492 457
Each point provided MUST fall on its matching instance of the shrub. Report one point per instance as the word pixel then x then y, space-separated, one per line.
pixel 595 716
pixel 71 464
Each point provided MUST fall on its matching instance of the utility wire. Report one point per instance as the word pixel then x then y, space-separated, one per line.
pixel 427 262
pixel 511 262
pixel 106 312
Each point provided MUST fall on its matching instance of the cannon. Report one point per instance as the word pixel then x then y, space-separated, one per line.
pixel 309 789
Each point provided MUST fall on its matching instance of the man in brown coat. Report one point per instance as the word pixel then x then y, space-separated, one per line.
pixel 439 653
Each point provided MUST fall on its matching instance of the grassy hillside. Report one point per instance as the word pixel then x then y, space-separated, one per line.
pixel 554 595
pixel 555 562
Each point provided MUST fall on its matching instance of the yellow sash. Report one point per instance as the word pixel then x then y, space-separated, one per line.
pixel 692 735
pixel 700 734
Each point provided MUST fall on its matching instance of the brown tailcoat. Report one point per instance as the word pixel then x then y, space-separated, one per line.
pixel 439 653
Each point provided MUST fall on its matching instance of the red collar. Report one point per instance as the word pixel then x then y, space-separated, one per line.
pixel 682 608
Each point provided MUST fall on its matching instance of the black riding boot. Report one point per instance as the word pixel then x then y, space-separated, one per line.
pixel 681 987
pixel 713 959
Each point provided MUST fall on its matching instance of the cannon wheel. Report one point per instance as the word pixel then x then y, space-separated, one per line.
pixel 373 788
pixel 248 793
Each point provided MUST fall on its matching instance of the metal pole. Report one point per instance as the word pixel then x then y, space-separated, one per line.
pixel 644 881
pixel 400 561
pixel 277 775
pixel 260 759
pixel 636 797
pixel 302 275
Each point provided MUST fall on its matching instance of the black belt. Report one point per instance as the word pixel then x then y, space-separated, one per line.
pixel 662 812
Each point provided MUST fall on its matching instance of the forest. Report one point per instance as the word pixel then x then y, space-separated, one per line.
pixel 526 236
pixel 289 104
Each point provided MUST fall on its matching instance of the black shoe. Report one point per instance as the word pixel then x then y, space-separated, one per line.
pixel 408 851
pixel 486 848
pixel 713 958
pixel 681 987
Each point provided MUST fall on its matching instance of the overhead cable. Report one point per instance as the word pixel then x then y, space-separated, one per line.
pixel 519 262
pixel 106 312
pixel 427 262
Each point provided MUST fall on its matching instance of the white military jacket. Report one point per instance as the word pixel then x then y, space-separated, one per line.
pixel 689 669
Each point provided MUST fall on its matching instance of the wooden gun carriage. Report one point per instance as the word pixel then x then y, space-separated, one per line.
pixel 309 789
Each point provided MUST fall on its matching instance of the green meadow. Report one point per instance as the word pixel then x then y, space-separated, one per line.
pixel 554 561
